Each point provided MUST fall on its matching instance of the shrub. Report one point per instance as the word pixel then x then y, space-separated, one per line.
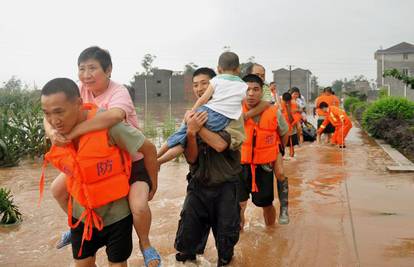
pixel 358 109
pixel 168 128
pixel 383 92
pixel 348 103
pixel 393 108
pixel 9 212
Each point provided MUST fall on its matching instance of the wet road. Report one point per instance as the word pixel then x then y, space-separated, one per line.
pixel 319 233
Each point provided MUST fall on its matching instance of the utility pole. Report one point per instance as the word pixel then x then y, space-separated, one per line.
pixel 290 76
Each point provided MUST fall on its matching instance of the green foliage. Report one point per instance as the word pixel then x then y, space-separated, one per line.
pixel 147 62
pixel 358 109
pixel 150 129
pixel 349 101
pixel 393 108
pixel 383 92
pixel 244 66
pixel 168 128
pixel 409 81
pixel 21 124
pixel 9 212
pixel 357 94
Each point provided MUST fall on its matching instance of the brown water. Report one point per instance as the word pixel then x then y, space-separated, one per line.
pixel 319 233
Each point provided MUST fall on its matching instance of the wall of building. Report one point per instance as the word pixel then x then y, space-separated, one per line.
pixel 300 78
pixel 163 87
pixel 395 61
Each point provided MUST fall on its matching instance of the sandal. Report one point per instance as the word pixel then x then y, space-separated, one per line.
pixel 151 254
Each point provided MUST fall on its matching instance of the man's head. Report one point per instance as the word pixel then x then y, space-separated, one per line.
pixel 61 104
pixel 287 97
pixel 201 80
pixel 254 92
pixel 229 63
pixel 258 70
pixel 324 106
pixel 328 90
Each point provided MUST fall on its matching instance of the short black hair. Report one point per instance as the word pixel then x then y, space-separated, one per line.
pixel 272 83
pixel 249 69
pixel 229 61
pixel 252 78
pixel 323 105
pixel 287 96
pixel 61 85
pixel 328 89
pixel 204 71
pixel 97 53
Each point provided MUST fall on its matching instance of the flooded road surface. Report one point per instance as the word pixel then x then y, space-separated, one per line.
pixel 319 233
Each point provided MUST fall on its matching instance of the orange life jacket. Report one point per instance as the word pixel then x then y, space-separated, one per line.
pixel 331 100
pixel 295 115
pixel 262 141
pixel 97 174
pixel 335 116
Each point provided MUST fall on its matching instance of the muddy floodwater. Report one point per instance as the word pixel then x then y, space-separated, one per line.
pixel 319 233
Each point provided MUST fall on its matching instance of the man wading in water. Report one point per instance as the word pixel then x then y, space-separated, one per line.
pixel 212 199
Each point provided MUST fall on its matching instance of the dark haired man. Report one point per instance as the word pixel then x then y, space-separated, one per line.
pixel 112 221
pixel 212 194
pixel 260 156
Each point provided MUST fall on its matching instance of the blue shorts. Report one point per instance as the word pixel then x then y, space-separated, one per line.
pixel 216 122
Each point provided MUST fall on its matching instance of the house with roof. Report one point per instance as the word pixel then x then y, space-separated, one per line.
pixel 400 57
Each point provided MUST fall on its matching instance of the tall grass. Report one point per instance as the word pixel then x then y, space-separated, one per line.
pixel 21 127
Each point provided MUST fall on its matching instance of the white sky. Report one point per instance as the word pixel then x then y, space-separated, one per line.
pixel 41 40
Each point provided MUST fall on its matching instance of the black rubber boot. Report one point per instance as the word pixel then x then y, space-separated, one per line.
pixel 283 192
pixel 182 257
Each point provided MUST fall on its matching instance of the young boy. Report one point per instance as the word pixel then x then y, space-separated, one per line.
pixel 222 101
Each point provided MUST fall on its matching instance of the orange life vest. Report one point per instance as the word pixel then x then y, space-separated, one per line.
pixel 262 141
pixel 97 174
pixel 331 100
pixel 335 115
pixel 296 116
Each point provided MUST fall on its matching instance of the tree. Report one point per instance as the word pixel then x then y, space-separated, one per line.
pixel 190 68
pixel 409 81
pixel 146 63
pixel 246 65
pixel 13 84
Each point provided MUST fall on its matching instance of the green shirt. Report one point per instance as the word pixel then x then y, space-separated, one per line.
pixel 267 94
pixel 129 139
pixel 237 133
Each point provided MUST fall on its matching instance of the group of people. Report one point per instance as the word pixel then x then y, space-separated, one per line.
pixel 233 139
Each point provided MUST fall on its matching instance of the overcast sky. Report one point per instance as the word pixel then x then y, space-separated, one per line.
pixel 41 40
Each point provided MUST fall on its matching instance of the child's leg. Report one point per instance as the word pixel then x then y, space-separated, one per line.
pixel 59 192
pixel 176 138
pixel 216 121
pixel 162 150
pixel 171 154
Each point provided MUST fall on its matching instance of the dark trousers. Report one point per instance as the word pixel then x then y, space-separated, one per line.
pixel 209 207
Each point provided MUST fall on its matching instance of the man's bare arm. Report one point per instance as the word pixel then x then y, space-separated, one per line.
pixel 102 120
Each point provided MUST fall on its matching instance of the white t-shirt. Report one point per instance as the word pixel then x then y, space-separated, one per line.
pixel 229 91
